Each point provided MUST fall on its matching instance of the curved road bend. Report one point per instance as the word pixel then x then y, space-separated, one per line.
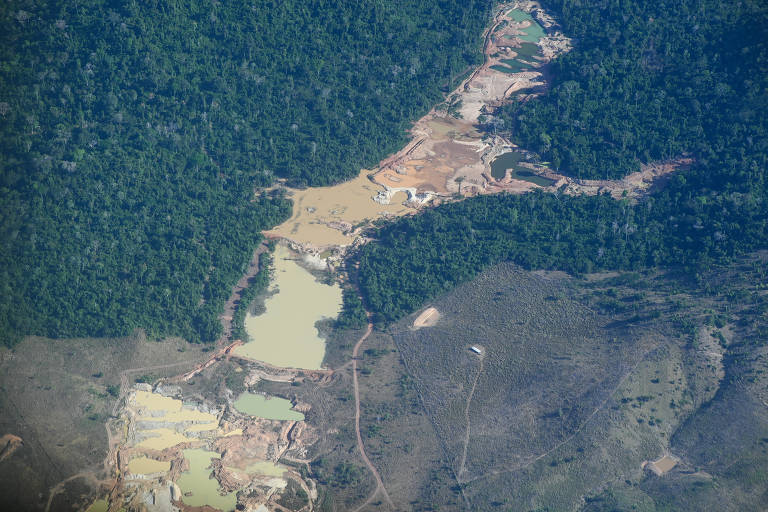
pixel 379 483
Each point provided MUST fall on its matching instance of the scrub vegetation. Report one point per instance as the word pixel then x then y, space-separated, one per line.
pixel 133 135
pixel 582 380
pixel 257 286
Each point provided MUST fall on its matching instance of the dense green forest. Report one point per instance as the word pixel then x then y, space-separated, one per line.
pixel 648 81
pixel 257 285
pixel 133 134
pixel 697 54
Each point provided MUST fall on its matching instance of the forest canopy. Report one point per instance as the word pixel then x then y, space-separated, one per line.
pixel 133 135
pixel 645 81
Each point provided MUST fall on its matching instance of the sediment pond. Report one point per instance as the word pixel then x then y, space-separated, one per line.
pixel 147 466
pixel 204 490
pixel 98 506
pixel 285 334
pixel 531 35
pixel 512 160
pixel 317 210
pixel 506 161
pixel 271 408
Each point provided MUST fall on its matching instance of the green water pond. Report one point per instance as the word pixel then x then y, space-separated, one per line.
pixel 271 408
pixel 532 33
pixel 512 161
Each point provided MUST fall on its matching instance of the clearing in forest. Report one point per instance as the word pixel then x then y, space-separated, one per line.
pixel 427 318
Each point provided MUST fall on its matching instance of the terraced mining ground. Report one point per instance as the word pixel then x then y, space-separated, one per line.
pixel 56 395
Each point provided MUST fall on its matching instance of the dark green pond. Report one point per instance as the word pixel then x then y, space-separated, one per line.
pixel 528 175
pixel 523 62
pixel 512 161
pixel 527 50
pixel 506 161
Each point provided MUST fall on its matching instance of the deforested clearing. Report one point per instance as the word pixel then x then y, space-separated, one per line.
pixel 427 318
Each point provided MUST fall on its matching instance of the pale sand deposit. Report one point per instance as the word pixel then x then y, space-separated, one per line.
pixel 427 318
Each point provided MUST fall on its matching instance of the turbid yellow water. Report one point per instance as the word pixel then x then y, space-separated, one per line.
pixel 163 438
pixel 350 202
pixel 184 415
pixel 205 490
pixel 264 468
pixel 157 402
pixel 285 334
pixel 271 408
pixel 172 409
pixel 147 466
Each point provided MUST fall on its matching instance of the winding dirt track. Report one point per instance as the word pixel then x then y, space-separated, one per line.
pixel 379 484
pixel 467 419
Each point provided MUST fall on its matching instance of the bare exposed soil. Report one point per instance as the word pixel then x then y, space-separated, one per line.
pixel 427 318
pixel 8 444
pixel 447 153
pixel 662 465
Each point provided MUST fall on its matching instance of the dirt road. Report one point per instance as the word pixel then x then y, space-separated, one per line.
pixel 379 484
pixel 463 462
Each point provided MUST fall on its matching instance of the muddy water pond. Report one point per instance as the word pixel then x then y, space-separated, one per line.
pixel 348 203
pixel 285 334
pixel 506 161
pixel 147 466
pixel 523 61
pixel 204 490
pixel 271 408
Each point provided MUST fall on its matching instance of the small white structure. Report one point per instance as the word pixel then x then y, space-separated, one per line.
pixel 476 350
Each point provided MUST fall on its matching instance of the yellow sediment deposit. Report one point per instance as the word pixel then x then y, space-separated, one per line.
pixel 147 466
pixel 156 401
pixel 320 214
pixel 156 407
pixel 202 427
pixel 163 438
pixel 182 416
